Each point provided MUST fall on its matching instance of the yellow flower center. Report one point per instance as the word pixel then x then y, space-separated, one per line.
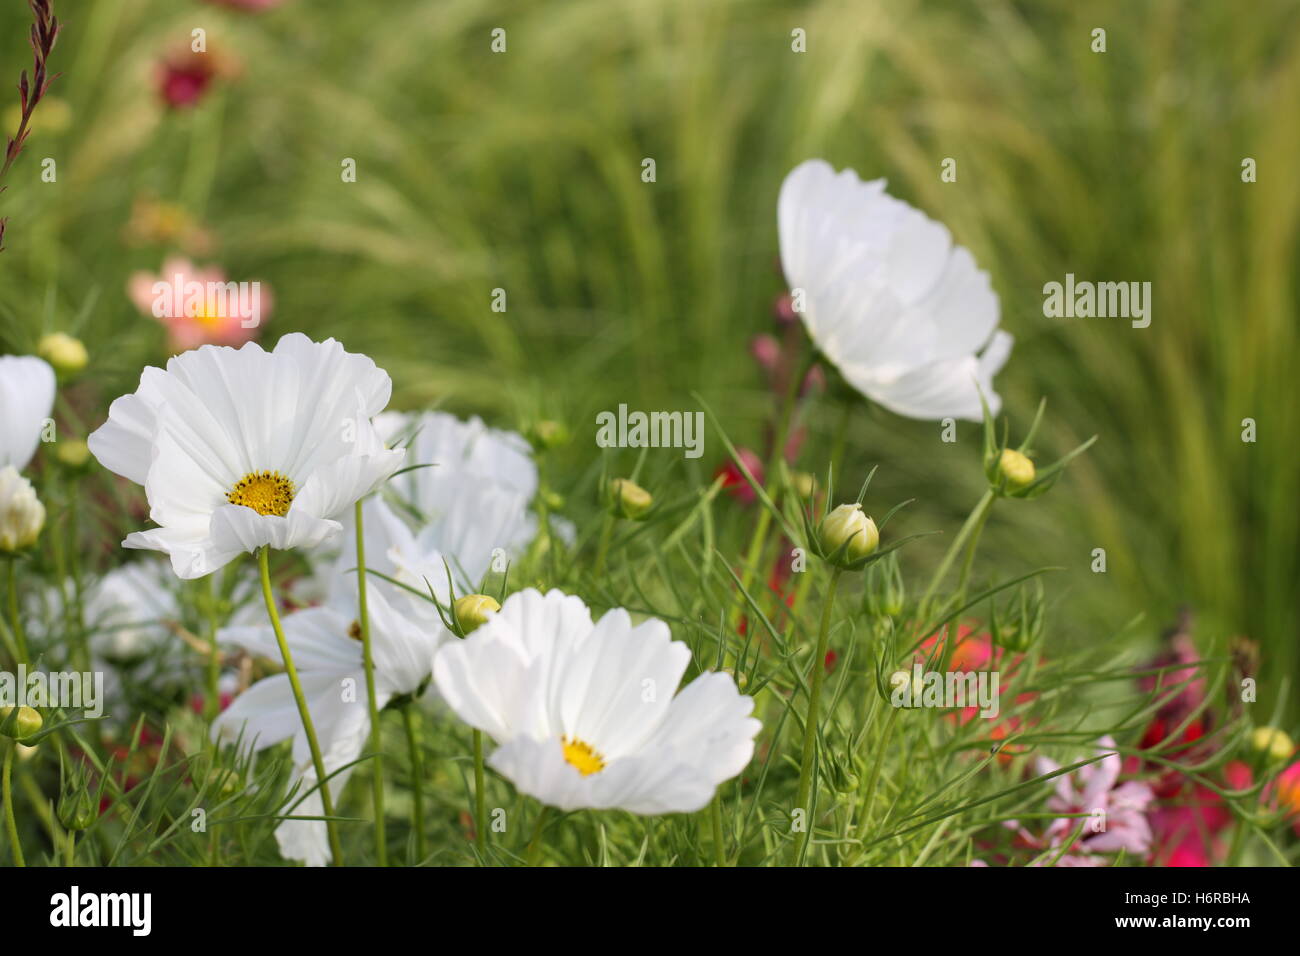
pixel 582 756
pixel 266 492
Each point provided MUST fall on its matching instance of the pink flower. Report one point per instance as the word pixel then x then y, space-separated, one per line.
pixel 783 310
pixel 199 306
pixel 1117 811
pixel 766 351
pixel 1186 829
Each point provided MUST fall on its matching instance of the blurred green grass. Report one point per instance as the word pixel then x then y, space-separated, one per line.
pixel 522 171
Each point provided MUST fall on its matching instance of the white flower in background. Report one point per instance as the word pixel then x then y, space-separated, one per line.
pixel 21 513
pixel 473 499
pixel 326 645
pixel 585 714
pixel 906 316
pixel 26 400
pixel 468 497
pixel 131 611
pixel 455 447
pixel 241 448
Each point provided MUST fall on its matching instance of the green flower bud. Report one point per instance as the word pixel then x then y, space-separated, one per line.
pixel 1022 625
pixel 548 434
pixel 628 499
pixel 72 453
pixel 840 773
pixel 76 809
pixel 904 689
pixel 1274 744
pixel 19 722
pixel 885 594
pixel 66 354
pixel 847 535
pixel 472 611
pixel 805 485
pixel 223 781
pixel 1016 468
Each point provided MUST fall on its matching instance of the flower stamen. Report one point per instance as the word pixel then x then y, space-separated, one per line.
pixel 266 492
pixel 582 756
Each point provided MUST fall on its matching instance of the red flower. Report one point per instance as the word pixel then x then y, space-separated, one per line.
pixel 183 81
pixel 733 479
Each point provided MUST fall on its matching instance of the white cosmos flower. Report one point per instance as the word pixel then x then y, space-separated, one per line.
pixel 26 399
pixel 326 645
pixel 21 513
pixel 241 448
pixel 466 495
pixel 906 316
pixel 455 447
pixel 585 714
pixel 131 611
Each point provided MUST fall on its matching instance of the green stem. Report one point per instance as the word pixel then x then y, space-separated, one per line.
pixel 606 531
pixel 964 578
pixel 1235 847
pixel 973 520
pixel 417 780
pixel 719 849
pixel 74 563
pixel 7 794
pixel 327 802
pixel 534 852
pixel 367 651
pixel 70 849
pixel 761 527
pixel 869 795
pixel 480 794
pixel 212 705
pixel 810 721
pixel 15 619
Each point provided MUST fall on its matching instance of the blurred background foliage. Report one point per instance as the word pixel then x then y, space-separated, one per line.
pixel 522 171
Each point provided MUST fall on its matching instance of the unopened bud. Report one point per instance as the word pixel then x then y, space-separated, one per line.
pixel 805 485
pixel 72 452
pixel 1016 468
pixel 76 809
pixel 19 722
pixel 885 593
pixel 66 354
pixel 1273 743
pixel 548 434
pixel 847 535
pixel 628 499
pixel 21 513
pixel 473 610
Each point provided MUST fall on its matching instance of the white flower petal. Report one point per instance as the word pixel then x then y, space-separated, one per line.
pixel 26 400
pixel 217 415
pixel 550 687
pixel 887 297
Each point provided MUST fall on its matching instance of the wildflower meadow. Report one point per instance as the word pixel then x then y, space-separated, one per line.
pixel 651 434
